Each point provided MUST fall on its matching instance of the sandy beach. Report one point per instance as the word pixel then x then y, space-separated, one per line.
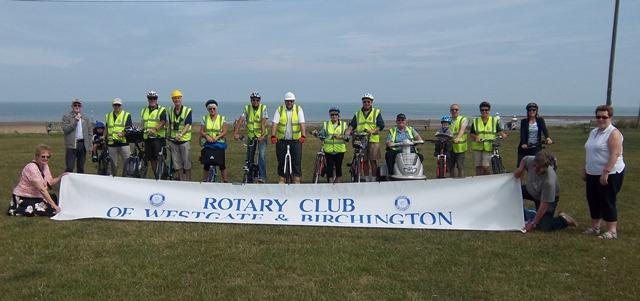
pixel 31 127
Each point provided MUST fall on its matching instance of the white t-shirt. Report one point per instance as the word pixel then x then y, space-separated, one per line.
pixel 79 130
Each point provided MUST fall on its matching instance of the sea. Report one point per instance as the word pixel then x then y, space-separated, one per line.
pixel 313 111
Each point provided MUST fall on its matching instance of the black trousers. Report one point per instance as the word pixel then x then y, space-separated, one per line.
pixel 75 157
pixel 548 221
pixel 602 199
pixel 295 148
pixel 334 161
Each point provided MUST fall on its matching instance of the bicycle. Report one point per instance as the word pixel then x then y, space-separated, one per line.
pixel 135 166
pixel 442 167
pixel 320 162
pixel 287 169
pixel 250 168
pixel 357 165
pixel 163 170
pixel 208 156
pixel 497 166
pixel 105 165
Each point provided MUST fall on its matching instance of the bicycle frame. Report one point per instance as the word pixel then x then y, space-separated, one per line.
pixel 250 169
pixel 497 166
pixel 360 142
pixel 287 166
pixel 320 163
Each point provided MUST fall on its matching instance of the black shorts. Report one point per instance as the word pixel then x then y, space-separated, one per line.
pixel 152 148
pixel 212 156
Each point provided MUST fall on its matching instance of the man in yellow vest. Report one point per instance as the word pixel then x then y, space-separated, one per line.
pixel 116 122
pixel 459 125
pixel 332 133
pixel 180 120
pixel 369 120
pixel 154 119
pixel 256 116
pixel 288 128
pixel 397 134
pixel 484 127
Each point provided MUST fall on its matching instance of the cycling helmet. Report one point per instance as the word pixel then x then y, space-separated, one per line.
pixel 152 95
pixel 367 96
pixel 99 125
pixel 255 95
pixel 210 102
pixel 446 119
pixel 289 96
pixel 334 109
pixel 532 105
pixel 176 93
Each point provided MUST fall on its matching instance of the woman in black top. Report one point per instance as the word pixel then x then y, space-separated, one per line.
pixel 531 130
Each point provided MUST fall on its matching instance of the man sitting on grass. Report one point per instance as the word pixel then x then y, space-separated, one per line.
pixel 543 189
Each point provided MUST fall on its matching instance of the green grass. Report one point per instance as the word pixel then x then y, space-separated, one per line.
pixel 101 259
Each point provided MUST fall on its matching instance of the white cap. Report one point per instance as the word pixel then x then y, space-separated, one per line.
pixel 116 101
pixel 289 96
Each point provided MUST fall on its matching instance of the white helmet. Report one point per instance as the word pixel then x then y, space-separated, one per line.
pixel 367 96
pixel 289 96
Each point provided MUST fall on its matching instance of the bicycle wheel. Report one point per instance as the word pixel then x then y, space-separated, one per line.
pixel 130 167
pixel 142 167
pixel 496 165
pixel 112 167
pixel 160 169
pixel 102 167
pixel 211 177
pixel 246 174
pixel 317 169
pixel 357 170
pixel 441 169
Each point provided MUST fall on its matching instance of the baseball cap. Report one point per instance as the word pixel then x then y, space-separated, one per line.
pixel 117 101
pixel 401 116
pixel 76 100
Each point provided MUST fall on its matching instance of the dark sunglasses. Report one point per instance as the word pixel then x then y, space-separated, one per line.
pixel 45 157
pixel 401 119
pixel 211 109
pixel 334 114
pixel 532 110
pixel 77 105
pixel 366 101
pixel 116 104
pixel 484 110
pixel 255 99
pixel 152 98
pixel 602 117
pixel 452 110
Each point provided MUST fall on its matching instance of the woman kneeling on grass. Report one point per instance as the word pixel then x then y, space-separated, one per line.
pixel 31 195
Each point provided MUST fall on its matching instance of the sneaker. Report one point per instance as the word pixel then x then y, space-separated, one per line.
pixel 570 221
pixel 260 181
pixel 608 235
pixel 591 231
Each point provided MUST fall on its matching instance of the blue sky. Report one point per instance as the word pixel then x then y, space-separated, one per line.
pixel 507 51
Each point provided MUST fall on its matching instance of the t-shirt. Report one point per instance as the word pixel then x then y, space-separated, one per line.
pixel 31 173
pixel 543 187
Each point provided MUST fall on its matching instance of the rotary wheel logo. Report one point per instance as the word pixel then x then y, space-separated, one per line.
pixel 402 203
pixel 156 199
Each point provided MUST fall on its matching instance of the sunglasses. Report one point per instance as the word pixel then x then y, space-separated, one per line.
pixel 334 114
pixel 255 99
pixel 602 117
pixel 289 100
pixel 484 110
pixel 366 101
pixel 153 98
pixel 45 157
pixel 77 105
pixel 211 109
pixel 402 119
pixel 453 110
pixel 532 110
pixel 116 104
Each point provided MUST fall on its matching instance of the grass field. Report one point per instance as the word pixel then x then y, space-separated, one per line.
pixel 119 260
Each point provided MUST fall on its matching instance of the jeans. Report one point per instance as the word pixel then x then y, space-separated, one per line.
pixel 262 165
pixel 548 221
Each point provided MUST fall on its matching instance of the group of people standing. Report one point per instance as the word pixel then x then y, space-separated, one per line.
pixel 603 170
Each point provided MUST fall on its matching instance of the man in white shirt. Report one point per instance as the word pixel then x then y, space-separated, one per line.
pixel 77 137
pixel 288 129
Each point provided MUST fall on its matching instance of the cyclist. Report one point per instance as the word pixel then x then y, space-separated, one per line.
pixel 288 128
pixel 332 133
pixel 180 120
pixel 369 119
pixel 98 133
pixel 212 133
pixel 400 133
pixel 532 128
pixel 484 127
pixel 256 116
pixel 154 120
pixel 116 122
pixel 459 125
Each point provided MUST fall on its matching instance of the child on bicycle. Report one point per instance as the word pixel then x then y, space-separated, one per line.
pixel 444 136
pixel 98 140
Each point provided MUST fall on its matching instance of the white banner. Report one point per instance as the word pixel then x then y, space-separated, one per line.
pixel 473 203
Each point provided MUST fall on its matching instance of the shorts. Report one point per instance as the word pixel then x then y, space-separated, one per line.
pixel 457 159
pixel 373 151
pixel 212 156
pixel 181 155
pixel 482 158
pixel 152 148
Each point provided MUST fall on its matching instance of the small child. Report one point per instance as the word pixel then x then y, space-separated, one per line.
pixel 98 132
pixel 444 136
